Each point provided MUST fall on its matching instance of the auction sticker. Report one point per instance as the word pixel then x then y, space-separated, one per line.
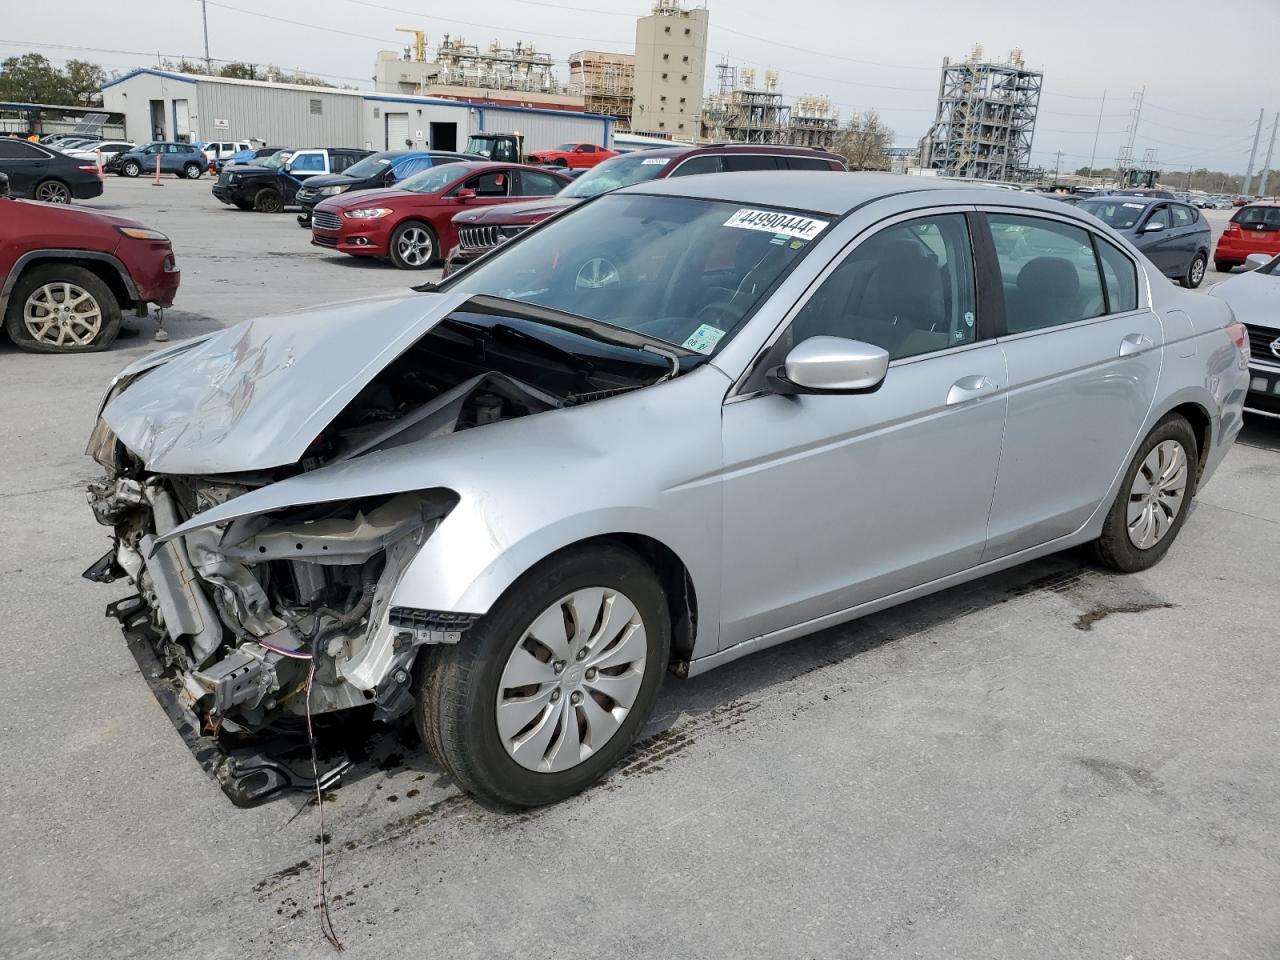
pixel 771 221
pixel 654 161
pixel 704 339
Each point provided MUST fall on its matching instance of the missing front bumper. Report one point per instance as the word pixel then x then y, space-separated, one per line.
pixel 248 775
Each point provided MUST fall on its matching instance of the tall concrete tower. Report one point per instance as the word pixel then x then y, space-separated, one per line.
pixel 671 53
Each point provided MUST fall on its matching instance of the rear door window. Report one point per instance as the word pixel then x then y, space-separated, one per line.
pixel 14 149
pixel 1121 277
pixel 534 184
pixel 1183 216
pixel 741 162
pixel 806 163
pixel 1048 270
pixel 703 164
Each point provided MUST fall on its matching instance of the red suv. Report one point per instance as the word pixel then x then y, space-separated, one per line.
pixel 479 231
pixel 66 274
pixel 1254 228
pixel 412 224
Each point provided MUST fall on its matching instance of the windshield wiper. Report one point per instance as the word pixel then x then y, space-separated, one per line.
pixel 489 305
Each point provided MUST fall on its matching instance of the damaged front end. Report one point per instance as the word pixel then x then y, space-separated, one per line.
pixel 247 628
pixel 243 630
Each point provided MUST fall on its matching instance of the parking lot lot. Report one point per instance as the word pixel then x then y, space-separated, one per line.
pixel 1050 762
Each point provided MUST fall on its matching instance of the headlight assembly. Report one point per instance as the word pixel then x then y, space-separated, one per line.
pixel 368 213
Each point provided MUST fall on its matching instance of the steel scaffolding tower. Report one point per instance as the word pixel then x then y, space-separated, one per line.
pixel 606 82
pixel 986 119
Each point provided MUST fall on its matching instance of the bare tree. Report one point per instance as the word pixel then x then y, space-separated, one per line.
pixel 863 140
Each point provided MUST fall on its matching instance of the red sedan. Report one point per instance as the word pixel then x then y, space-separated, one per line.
pixel 66 274
pixel 413 223
pixel 575 155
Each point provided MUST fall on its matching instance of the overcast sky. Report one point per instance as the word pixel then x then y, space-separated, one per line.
pixel 1202 92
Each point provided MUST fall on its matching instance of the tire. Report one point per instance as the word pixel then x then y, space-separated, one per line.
pixel 192 171
pixel 244 204
pixel 130 168
pixel 268 200
pixel 560 162
pixel 1117 548
pixel 413 246
pixel 52 191
pixel 38 294
pixel 1222 266
pixel 459 686
pixel 1195 272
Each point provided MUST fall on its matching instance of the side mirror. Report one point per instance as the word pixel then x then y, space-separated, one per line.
pixel 1253 261
pixel 4 185
pixel 288 166
pixel 831 365
pixel 1153 227
pixel 464 194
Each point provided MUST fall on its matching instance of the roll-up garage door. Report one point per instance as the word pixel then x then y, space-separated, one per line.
pixel 397 130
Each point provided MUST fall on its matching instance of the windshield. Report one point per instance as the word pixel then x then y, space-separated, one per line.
pixel 276 160
pixel 435 178
pixel 1121 214
pixel 367 167
pixel 676 269
pixel 615 173
pixel 565 148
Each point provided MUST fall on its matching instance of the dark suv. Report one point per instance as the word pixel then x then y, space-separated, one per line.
pixel 272 185
pixel 480 230
pixel 384 169
pixel 42 173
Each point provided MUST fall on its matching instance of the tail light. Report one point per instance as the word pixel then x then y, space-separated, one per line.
pixel 88 168
pixel 1233 229
pixel 1240 336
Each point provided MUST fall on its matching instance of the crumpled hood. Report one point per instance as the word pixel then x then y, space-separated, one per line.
pixel 255 395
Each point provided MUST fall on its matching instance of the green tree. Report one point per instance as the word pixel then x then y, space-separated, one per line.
pixel 239 71
pixel 83 82
pixel 31 78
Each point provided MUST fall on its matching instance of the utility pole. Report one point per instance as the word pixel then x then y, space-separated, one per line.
pixel 1248 174
pixel 1096 133
pixel 1266 167
pixel 204 15
pixel 1057 169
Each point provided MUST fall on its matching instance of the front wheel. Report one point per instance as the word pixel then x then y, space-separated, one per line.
pixel 130 168
pixel 62 308
pixel 267 200
pixel 548 690
pixel 1152 503
pixel 413 246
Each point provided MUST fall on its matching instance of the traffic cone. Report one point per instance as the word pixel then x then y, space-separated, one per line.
pixel 156 182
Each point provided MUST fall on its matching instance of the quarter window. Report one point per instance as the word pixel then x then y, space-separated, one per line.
pixel 1048 270
pixel 908 289
pixel 1121 277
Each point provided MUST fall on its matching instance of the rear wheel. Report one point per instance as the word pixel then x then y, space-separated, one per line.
pixel 413 246
pixel 1152 503
pixel 192 171
pixel 268 200
pixel 549 688
pixel 52 191
pixel 1195 272
pixel 62 308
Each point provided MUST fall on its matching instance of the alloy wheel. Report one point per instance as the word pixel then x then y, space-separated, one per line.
pixel 415 247
pixel 62 314
pixel 53 192
pixel 1157 495
pixel 1197 271
pixel 571 680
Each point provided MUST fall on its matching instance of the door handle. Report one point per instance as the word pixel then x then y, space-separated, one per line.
pixel 970 388
pixel 1134 343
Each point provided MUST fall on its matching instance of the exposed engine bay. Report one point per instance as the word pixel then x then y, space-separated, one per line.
pixel 255 623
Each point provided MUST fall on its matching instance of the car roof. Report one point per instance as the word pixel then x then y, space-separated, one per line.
pixel 1142 198
pixel 724 148
pixel 819 191
pixel 1262 203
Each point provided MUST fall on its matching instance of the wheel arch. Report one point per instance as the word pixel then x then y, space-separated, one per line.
pixel 1201 425
pixel 104 265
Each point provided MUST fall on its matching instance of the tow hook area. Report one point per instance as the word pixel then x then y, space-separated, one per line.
pixel 248 774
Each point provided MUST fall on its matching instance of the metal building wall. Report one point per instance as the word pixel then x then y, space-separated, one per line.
pixel 278 115
pixel 421 114
pixel 542 131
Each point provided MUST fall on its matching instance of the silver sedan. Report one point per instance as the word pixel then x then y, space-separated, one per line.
pixel 686 421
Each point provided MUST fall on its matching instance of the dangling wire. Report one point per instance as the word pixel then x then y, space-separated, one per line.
pixel 322 900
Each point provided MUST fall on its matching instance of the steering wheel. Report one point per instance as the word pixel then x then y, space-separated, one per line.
pixel 596 273
pixel 713 311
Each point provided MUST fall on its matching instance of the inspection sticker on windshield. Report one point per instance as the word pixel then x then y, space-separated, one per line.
pixel 654 161
pixel 704 339
pixel 770 221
